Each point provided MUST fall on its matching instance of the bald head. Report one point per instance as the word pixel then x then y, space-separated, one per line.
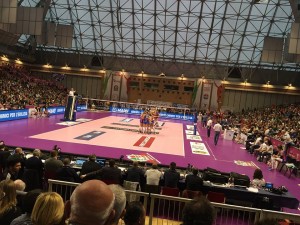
pixel 92 203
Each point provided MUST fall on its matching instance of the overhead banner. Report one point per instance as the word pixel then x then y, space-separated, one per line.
pixel 125 83
pixel 115 86
pixel 217 95
pixel 197 93
pixel 206 96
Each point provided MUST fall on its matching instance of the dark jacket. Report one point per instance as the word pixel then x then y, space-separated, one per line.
pixel 171 178
pixel 193 182
pixel 66 173
pixel 112 174
pixel 10 215
pixel 134 174
pixel 90 167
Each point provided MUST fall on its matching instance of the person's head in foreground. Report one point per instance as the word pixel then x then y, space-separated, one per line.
pixel 120 202
pixel 135 214
pixel 198 211
pixel 48 209
pixel 8 196
pixel 91 203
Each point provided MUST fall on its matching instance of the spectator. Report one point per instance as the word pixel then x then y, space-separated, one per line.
pixel 153 175
pixel 8 202
pixel 52 165
pixel 110 174
pixel 12 170
pixel 18 156
pixel 198 211
pixel 27 207
pixel 276 158
pixel 4 154
pixel 66 173
pixel 120 202
pixel 171 176
pixel 48 209
pixel 33 171
pixel 135 214
pixel 135 173
pixel 193 181
pixel 34 162
pixel 97 210
pixel 90 166
pixel 20 185
pixel 258 180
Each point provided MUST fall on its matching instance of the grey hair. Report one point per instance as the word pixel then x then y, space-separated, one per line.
pixel 78 210
pixel 120 201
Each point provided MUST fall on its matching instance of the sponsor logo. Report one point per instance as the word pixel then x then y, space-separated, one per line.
pixel 90 135
pixel 143 158
pixel 144 141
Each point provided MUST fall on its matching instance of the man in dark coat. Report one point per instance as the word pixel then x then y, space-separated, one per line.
pixel 90 166
pixel 171 176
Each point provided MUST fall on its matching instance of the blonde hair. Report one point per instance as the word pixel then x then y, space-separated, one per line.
pixel 48 209
pixel 8 196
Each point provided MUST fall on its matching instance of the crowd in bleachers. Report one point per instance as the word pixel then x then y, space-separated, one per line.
pixel 19 88
pixel 278 122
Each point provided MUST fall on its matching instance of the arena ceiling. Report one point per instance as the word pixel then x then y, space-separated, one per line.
pixel 185 31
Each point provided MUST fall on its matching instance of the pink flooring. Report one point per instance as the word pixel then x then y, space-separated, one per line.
pixel 168 141
pixel 170 145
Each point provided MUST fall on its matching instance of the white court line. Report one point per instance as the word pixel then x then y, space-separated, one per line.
pixel 207 146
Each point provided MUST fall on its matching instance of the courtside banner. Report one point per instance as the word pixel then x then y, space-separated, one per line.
pixel 199 148
pixel 144 141
pixel 56 110
pixel 179 116
pixel 61 109
pixel 81 108
pixel 6 115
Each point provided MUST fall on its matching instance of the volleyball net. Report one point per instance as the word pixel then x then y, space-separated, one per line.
pixel 165 111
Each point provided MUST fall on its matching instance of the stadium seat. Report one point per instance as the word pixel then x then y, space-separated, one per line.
pixel 216 197
pixel 191 194
pixel 170 191
pixel 154 189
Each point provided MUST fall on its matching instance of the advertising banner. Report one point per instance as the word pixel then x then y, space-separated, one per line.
pixel 179 116
pixel 116 85
pixel 6 115
pixel 206 96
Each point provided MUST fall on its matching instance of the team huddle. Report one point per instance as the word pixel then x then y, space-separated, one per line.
pixel 148 121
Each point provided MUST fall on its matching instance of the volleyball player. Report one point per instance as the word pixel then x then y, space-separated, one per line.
pixel 151 124
pixel 156 116
pixel 146 122
pixel 141 127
